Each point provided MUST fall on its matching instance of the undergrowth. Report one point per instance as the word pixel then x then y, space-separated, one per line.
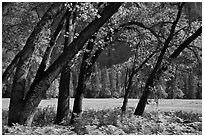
pixel 109 122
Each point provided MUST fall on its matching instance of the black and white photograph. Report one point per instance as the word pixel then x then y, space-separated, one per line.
pixel 101 68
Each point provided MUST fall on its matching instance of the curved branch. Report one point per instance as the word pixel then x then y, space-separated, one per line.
pixel 162 23
pixel 141 25
pixel 186 43
pixel 199 48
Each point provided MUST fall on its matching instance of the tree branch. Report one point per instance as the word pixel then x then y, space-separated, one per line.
pixel 186 43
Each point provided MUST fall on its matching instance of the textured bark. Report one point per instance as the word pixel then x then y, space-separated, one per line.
pixel 143 100
pixel 77 108
pixel 46 58
pixel 37 90
pixel 18 87
pixel 29 46
pixel 63 106
pixel 17 94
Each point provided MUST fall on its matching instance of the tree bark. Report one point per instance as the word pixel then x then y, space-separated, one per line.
pixel 17 94
pixel 46 58
pixel 54 36
pixel 63 106
pixel 37 90
pixel 18 87
pixel 77 109
pixel 25 51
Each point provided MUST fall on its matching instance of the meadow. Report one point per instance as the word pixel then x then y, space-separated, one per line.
pixel 108 103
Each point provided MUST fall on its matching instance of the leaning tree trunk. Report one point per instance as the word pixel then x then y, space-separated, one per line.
pixel 52 12
pixel 77 109
pixel 128 84
pixel 47 55
pixel 63 106
pixel 133 72
pixel 38 89
pixel 85 73
pixel 156 74
pixel 17 94
pixel 143 100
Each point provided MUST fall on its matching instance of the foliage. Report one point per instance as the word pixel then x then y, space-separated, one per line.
pixel 111 122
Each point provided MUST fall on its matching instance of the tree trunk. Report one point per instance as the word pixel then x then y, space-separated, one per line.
pixel 38 89
pixel 18 87
pixel 17 94
pixel 74 82
pixel 125 101
pixel 156 74
pixel 30 44
pixel 143 100
pixel 77 109
pixel 63 106
pixel 129 83
pixel 46 58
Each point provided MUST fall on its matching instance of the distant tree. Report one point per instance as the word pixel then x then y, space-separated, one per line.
pixel 112 77
pixel 94 86
pixel 105 82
